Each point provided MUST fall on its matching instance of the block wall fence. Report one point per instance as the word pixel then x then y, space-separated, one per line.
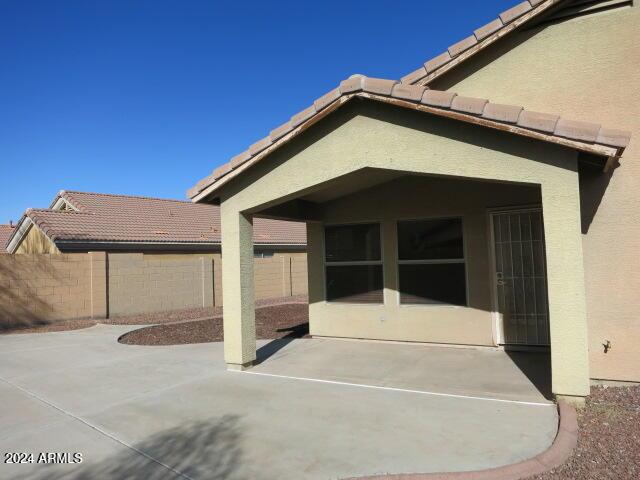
pixel 40 288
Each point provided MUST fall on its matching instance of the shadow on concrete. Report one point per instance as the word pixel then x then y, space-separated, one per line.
pixel 274 346
pixel 536 366
pixel 206 449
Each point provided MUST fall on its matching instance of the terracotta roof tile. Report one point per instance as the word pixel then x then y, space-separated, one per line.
pixel 281 131
pixel 544 122
pixel 501 113
pixel 327 99
pixel 507 21
pixel 122 218
pixel 300 117
pixel 486 30
pixel 434 63
pixel 585 131
pixel 472 105
pixel 260 145
pixel 414 76
pixel 378 85
pixel 240 159
pixel 462 45
pixel 514 12
pixel 378 89
pixel 351 84
pixel 408 92
pixel 5 233
pixel 613 137
pixel 437 98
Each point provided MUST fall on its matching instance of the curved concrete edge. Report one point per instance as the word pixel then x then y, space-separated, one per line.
pixel 558 453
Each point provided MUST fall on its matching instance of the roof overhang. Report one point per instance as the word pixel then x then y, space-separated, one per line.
pixel 18 234
pixel 589 138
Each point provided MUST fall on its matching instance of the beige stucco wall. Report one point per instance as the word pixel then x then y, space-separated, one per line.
pixel 389 203
pixel 374 135
pixel 36 242
pixel 586 68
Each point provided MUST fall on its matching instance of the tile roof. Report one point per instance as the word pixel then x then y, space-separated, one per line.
pixel 121 218
pixel 5 233
pixel 507 22
pixel 584 136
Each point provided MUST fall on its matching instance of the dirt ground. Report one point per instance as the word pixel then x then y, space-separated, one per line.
pixel 53 326
pixel 608 438
pixel 276 321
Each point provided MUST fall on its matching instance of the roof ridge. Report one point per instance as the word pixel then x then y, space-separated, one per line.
pixel 61 212
pixel 118 195
pixel 544 126
pixel 481 37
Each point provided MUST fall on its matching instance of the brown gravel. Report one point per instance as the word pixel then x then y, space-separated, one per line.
pixel 54 326
pixel 277 321
pixel 191 314
pixel 608 438
pixel 165 317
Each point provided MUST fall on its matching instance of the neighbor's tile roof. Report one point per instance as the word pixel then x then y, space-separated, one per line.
pixel 5 233
pixel 507 22
pixel 121 218
pixel 586 136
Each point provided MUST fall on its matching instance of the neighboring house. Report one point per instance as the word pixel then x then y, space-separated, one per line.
pixel 436 217
pixel 142 254
pixel 98 222
pixel 5 233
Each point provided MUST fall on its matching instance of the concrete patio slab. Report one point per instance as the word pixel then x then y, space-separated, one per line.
pixel 162 412
pixel 475 372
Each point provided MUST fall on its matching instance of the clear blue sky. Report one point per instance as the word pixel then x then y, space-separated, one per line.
pixel 147 97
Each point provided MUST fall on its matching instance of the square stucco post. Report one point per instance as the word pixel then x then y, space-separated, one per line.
pixel 237 289
pixel 565 277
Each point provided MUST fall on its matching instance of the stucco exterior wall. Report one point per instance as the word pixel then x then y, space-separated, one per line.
pixel 416 198
pixel 36 242
pixel 585 68
pixel 365 134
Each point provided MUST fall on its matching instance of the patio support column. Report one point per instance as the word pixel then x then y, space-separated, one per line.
pixel 565 276
pixel 237 288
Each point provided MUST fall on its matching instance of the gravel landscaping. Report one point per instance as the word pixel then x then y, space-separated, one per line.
pixel 608 439
pixel 289 320
pixel 155 318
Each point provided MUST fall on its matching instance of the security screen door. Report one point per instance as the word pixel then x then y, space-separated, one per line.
pixel 520 276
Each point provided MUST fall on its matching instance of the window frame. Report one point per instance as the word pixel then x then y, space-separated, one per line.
pixel 326 264
pixel 462 260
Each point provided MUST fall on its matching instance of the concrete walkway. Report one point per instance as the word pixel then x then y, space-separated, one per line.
pixel 175 412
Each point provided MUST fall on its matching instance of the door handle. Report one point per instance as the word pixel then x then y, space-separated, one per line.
pixel 499 278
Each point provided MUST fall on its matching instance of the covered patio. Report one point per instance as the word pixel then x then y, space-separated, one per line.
pixel 412 201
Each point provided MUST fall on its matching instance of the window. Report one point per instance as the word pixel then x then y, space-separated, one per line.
pixel 263 254
pixel 431 262
pixel 353 263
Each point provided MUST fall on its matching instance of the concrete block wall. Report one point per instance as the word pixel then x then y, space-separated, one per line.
pixel 149 283
pixel 38 288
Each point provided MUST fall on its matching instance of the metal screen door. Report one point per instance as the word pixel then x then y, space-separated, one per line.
pixel 520 276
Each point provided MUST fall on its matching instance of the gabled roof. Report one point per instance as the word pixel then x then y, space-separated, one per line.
pixel 507 22
pixel 106 218
pixel 584 136
pixel 5 233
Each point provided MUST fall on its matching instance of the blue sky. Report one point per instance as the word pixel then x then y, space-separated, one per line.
pixel 147 97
